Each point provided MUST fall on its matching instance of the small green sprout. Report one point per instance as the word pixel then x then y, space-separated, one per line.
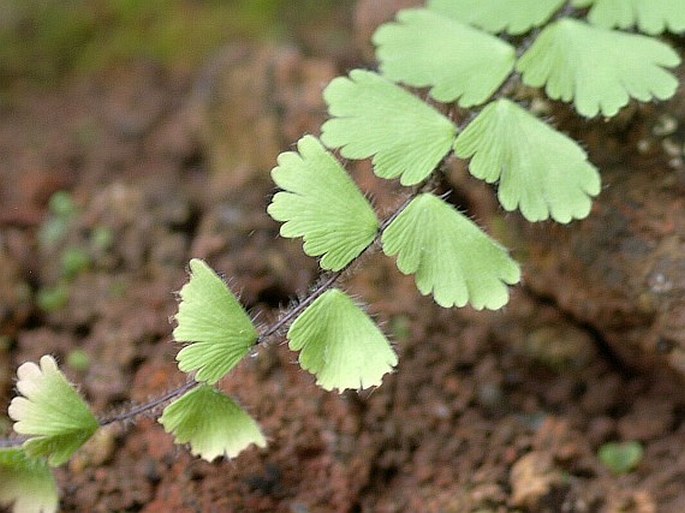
pixel 621 458
pixel 78 360
pixel 62 205
pixel 101 238
pixel 62 211
pixel 74 261
pixel 52 299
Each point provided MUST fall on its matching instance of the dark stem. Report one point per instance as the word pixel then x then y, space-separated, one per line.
pixel 295 311
pixel 9 443
pixel 149 406
pixel 329 280
pixel 325 284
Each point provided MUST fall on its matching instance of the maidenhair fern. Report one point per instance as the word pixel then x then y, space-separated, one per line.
pixel 458 62
pixel 50 412
pixel 449 255
pixel 372 117
pixel 538 169
pixel 27 483
pixel 621 66
pixel 320 203
pixel 211 423
pixel 463 53
pixel 340 344
pixel 210 319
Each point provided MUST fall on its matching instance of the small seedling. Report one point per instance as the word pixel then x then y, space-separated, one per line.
pixel 78 360
pixel 461 53
pixel 52 299
pixel 74 261
pixel 61 210
pixel 621 458
pixel 101 238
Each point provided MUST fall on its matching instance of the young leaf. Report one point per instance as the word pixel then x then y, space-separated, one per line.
pixel 650 16
pixel 340 344
pixel 26 483
pixel 498 16
pixel 541 171
pixel 599 69
pixel 429 49
pixel 374 117
pixel 218 331
pixel 50 412
pixel 451 257
pixel 322 204
pixel 212 423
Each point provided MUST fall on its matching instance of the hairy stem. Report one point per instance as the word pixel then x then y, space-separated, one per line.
pixel 9 443
pixel 149 406
pixel 326 281
pixel 331 279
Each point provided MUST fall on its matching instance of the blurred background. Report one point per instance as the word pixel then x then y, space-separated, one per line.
pixel 42 41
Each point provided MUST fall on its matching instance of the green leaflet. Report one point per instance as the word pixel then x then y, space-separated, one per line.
pixel 373 117
pixel 322 204
pixel 50 412
pixel 498 15
pixel 340 344
pixel 541 171
pixel 458 62
pixel 212 423
pixel 650 16
pixel 211 320
pixel 26 483
pixel 599 69
pixel 450 256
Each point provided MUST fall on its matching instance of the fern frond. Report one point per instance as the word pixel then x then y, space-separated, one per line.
pixel 599 69
pixel 50 412
pixel 340 344
pixel 211 320
pixel 212 423
pixel 497 15
pixel 650 16
pixel 449 255
pixel 374 117
pixel 321 204
pixel 540 170
pixel 26 484
pixel 458 62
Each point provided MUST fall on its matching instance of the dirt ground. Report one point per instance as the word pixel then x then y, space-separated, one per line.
pixel 487 412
